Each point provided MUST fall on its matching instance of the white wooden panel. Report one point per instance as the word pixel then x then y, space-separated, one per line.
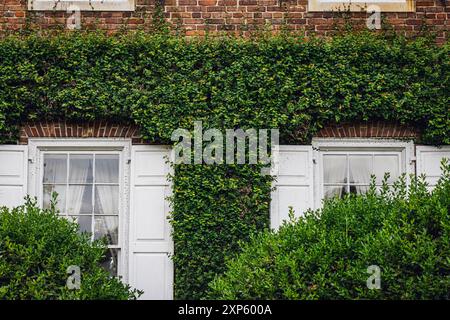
pixel 158 265
pixel 151 268
pixel 150 167
pixel 293 183
pixel 152 222
pixel 292 196
pixel 429 162
pixel 13 175
pixel 293 163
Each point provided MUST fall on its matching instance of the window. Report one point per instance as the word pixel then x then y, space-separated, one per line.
pixel 81 5
pixel 345 166
pixel 361 5
pixel 88 187
pixel 350 172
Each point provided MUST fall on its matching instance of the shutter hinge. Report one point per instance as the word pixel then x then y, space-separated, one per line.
pixel 30 160
pixel 128 160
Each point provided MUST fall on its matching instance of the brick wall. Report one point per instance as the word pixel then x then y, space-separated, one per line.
pixel 369 130
pixel 239 16
pixel 74 130
pixel 114 130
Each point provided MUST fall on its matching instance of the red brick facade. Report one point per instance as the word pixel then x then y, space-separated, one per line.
pixel 112 130
pixel 239 16
pixel 69 130
pixel 368 130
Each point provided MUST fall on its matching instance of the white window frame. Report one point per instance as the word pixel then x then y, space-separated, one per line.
pixel 37 147
pixel 323 146
pixel 81 5
pixel 361 5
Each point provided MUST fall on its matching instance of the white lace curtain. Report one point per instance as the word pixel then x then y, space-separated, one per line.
pixel 80 168
pixel 360 169
pixel 335 173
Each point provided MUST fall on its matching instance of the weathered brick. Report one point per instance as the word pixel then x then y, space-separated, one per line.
pixel 194 15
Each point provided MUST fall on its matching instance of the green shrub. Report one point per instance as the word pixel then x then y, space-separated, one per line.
pixel 326 254
pixel 37 247
pixel 214 208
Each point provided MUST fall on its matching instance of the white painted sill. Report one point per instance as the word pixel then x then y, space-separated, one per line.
pixel 361 5
pixel 81 5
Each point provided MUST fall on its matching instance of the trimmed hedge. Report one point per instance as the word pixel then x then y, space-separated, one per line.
pixel 163 82
pixel 37 247
pixel 214 207
pixel 326 254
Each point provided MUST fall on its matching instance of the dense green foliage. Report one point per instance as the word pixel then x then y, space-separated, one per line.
pixel 36 249
pixel 325 255
pixel 215 207
pixel 283 82
pixel 163 82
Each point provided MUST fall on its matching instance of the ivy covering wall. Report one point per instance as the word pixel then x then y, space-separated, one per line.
pixel 163 83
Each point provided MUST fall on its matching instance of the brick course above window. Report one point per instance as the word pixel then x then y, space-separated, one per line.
pixel 74 130
pixel 369 130
pixel 114 130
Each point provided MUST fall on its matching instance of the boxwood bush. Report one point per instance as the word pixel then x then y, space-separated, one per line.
pixel 326 254
pixel 36 249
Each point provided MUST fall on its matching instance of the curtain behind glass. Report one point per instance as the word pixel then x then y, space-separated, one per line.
pixel 80 172
pixel 360 169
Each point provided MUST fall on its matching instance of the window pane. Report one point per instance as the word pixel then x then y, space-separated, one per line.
pixel 80 168
pixel 107 168
pixel 360 168
pixel 85 223
pixel 106 200
pixel 61 199
pixel 358 189
pixel 334 168
pixel 110 261
pixel 334 191
pixel 79 199
pixel 55 168
pixel 107 226
pixel 386 163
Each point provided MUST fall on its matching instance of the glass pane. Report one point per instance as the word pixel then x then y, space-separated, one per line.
pixel 334 168
pixel 386 163
pixel 106 199
pixel 107 168
pixel 109 263
pixel 55 168
pixel 79 199
pixel 107 226
pixel 61 199
pixel 360 168
pixel 85 223
pixel 358 189
pixel 334 191
pixel 80 168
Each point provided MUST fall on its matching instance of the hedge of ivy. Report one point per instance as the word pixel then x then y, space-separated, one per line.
pixel 164 82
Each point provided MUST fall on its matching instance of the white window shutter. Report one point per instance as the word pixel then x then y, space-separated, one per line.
pixel 294 183
pixel 429 162
pixel 150 268
pixel 13 175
